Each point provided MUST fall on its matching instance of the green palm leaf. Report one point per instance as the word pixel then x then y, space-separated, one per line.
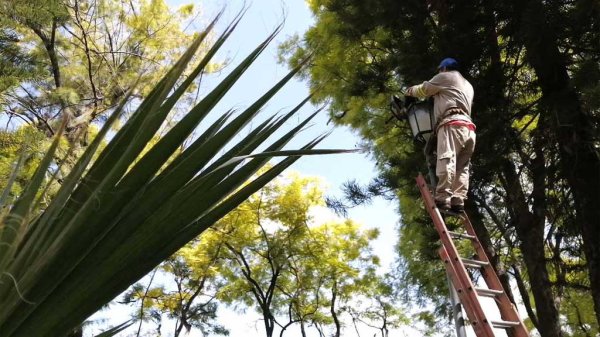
pixel 111 223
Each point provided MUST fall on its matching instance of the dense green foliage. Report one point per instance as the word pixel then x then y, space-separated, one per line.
pixel 20 153
pixel 535 69
pixel 271 256
pixel 79 58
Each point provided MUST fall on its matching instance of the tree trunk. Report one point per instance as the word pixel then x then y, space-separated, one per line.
pixel 269 321
pixel 580 163
pixel 530 231
pixel 336 321
pixel 523 291
pixel 49 45
pixel 484 238
pixel 302 329
pixel 525 295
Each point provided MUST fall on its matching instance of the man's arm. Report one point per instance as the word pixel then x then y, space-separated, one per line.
pixel 427 88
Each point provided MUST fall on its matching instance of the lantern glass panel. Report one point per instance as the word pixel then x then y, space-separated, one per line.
pixel 419 118
pixel 413 122
pixel 423 119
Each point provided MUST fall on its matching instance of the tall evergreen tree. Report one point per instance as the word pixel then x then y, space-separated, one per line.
pixel 573 123
pixel 524 189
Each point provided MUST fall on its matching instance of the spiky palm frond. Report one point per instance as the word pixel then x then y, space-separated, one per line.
pixel 116 217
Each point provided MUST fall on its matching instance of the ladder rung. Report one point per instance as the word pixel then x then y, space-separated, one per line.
pixel 461 236
pixel 504 324
pixel 474 263
pixel 488 292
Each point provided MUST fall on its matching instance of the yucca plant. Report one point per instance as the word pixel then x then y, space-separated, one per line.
pixel 116 217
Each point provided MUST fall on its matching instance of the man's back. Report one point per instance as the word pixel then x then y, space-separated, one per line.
pixel 450 90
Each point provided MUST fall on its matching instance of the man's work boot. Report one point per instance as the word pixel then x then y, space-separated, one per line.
pixel 457 205
pixel 457 208
pixel 443 206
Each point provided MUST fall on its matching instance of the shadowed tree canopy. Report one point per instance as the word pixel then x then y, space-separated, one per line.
pixel 536 73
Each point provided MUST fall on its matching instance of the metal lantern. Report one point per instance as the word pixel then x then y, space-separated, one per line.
pixel 418 113
pixel 420 119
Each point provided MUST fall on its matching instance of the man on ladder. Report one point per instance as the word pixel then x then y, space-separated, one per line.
pixel 453 98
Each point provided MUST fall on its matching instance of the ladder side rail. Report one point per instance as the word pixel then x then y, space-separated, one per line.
pixel 507 309
pixel 461 272
pixel 472 306
pixel 455 301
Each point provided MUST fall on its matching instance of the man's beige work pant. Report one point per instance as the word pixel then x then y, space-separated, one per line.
pixel 455 145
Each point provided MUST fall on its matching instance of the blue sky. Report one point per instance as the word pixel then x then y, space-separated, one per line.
pixel 260 20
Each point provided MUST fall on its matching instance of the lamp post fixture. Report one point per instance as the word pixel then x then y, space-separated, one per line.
pixel 419 115
pixel 420 119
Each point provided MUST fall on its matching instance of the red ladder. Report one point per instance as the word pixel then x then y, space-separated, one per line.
pixel 456 268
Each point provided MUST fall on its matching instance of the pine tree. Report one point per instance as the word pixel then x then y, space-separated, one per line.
pixel 533 124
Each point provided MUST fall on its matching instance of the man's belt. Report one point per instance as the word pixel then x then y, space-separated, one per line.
pixel 449 112
pixel 454 111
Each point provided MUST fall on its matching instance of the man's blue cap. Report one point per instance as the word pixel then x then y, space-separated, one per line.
pixel 449 63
